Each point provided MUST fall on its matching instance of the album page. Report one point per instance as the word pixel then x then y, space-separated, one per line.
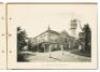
pixel 3 58
pixel 52 35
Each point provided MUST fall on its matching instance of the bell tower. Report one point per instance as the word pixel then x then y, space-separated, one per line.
pixel 73 27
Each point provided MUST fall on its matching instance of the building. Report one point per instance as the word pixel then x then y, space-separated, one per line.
pixel 47 38
pixel 53 39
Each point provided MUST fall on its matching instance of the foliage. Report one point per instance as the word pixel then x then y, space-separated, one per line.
pixel 21 39
pixel 87 37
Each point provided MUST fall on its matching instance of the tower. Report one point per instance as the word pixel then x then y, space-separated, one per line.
pixel 73 27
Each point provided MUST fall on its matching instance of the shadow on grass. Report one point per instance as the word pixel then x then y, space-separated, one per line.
pixel 81 53
pixel 22 57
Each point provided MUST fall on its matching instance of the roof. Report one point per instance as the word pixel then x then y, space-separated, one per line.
pixel 50 31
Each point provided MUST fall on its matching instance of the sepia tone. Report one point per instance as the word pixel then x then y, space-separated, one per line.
pixel 50 36
pixel 68 45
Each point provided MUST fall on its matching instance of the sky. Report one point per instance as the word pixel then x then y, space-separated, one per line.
pixel 35 18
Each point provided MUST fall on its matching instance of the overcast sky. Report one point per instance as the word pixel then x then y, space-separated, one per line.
pixel 36 18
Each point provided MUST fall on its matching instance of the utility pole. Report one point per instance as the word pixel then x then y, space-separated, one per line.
pixel 62 49
pixel 50 46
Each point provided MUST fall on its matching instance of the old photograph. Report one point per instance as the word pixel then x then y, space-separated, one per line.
pixel 53 32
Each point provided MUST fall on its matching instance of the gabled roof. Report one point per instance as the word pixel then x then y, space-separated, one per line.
pixel 52 31
pixel 49 31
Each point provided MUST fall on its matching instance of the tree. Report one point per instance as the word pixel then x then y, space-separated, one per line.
pixel 87 37
pixel 21 38
pixel 30 44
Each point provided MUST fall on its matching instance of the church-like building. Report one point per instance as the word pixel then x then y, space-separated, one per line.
pixel 47 38
pixel 49 35
pixel 54 39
